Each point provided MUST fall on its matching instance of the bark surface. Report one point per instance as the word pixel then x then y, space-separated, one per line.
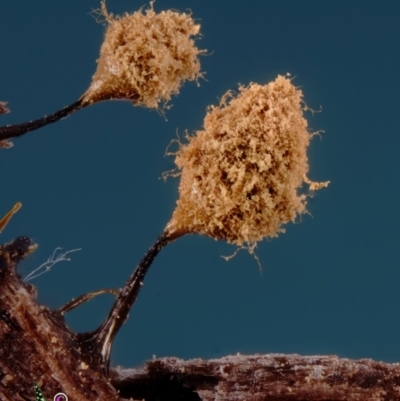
pixel 269 377
pixel 37 345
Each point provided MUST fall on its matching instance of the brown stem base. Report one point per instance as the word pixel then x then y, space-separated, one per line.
pixel 100 341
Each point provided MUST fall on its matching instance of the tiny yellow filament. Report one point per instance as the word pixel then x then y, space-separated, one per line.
pixel 4 221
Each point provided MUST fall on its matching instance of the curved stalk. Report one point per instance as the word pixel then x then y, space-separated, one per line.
pixel 100 341
pixel 78 301
pixel 15 130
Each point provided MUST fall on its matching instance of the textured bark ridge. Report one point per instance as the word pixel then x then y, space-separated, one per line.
pixel 269 377
pixel 37 345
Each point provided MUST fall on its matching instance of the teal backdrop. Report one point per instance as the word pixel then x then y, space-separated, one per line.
pixel 329 285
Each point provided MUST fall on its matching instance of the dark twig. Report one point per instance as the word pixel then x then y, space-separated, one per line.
pixel 12 131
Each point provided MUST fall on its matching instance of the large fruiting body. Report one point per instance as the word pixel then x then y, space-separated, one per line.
pixel 145 57
pixel 241 175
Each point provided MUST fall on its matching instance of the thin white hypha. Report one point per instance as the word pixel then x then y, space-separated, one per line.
pixel 50 262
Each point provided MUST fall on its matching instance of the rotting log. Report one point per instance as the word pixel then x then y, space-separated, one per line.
pixel 272 377
pixel 37 345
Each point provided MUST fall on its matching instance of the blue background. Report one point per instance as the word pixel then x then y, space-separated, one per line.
pixel 329 285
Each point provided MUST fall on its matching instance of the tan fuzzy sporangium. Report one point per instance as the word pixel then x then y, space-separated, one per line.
pixel 145 57
pixel 242 173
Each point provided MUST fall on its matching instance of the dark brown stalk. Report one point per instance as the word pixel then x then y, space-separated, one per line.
pixel 100 341
pixel 15 130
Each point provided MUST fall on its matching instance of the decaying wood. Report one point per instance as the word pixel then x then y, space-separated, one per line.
pixel 269 377
pixel 37 345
